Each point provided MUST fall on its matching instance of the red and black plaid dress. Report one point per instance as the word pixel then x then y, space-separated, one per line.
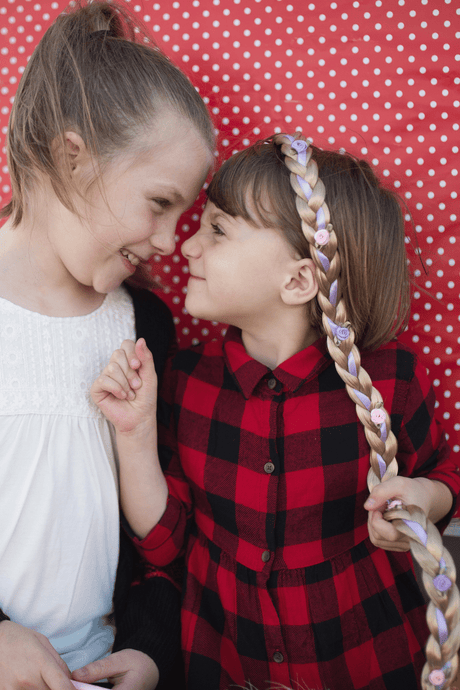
pixel 267 477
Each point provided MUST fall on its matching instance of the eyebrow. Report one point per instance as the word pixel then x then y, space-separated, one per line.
pixel 171 191
pixel 219 214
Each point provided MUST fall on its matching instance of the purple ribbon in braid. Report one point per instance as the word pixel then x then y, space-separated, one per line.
pixel 440 581
pixel 340 332
pixel 301 147
pixel 367 403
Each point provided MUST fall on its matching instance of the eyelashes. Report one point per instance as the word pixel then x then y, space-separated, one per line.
pixel 217 230
pixel 163 203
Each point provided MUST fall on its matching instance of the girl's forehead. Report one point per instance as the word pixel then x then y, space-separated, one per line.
pixel 171 133
pixel 212 211
pixel 159 156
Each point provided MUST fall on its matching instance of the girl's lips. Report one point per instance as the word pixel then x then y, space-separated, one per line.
pixel 128 265
pixel 133 258
pixel 196 277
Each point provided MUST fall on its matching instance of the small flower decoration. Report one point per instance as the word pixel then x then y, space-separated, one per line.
pixel 437 677
pixel 442 583
pixel 299 145
pixel 395 503
pixel 378 416
pixel 322 237
pixel 342 333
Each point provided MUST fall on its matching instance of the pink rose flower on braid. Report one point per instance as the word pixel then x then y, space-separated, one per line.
pixel 437 677
pixel 378 416
pixel 322 237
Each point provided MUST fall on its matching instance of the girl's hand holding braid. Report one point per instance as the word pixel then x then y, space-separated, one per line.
pixel 126 392
pixel 433 497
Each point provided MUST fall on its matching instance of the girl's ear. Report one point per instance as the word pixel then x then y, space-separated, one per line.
pixel 72 153
pixel 300 285
pixel 75 151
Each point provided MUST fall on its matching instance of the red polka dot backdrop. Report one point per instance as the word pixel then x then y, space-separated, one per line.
pixel 378 78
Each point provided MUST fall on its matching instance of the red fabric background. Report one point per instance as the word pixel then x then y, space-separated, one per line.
pixel 378 78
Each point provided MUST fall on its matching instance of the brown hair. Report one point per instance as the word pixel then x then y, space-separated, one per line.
pixel 95 71
pixel 367 219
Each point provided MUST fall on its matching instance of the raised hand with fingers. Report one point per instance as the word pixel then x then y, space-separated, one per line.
pixel 126 390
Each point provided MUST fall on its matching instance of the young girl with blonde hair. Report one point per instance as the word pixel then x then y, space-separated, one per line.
pixel 99 182
pixel 264 439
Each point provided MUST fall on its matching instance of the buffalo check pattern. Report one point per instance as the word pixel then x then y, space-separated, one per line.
pixel 267 478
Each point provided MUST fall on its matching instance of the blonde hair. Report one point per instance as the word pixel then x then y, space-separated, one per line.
pixel 425 540
pixel 94 71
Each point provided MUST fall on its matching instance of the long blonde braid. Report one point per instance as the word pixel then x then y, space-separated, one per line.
pixel 439 575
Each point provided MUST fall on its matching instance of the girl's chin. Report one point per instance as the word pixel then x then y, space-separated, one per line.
pixel 203 315
pixel 195 311
pixel 104 287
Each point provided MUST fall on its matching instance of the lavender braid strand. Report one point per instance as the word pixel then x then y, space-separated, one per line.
pixel 439 575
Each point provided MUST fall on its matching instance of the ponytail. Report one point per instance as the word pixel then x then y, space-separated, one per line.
pixel 95 71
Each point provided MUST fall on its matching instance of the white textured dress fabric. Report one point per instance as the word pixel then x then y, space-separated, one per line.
pixel 59 517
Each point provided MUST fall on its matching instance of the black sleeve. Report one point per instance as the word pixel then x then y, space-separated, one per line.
pixel 3 616
pixel 147 600
pixel 147 611
pixel 154 322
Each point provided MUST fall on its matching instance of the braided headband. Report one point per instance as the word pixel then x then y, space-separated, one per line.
pixel 438 568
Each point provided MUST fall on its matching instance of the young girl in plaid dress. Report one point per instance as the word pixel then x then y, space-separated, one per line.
pixel 263 469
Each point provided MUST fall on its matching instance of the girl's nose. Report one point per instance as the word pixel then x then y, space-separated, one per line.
pixel 164 240
pixel 191 248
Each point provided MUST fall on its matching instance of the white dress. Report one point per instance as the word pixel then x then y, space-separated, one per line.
pixel 59 518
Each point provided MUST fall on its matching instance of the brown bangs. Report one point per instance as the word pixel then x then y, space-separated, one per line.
pixel 254 184
pixel 247 181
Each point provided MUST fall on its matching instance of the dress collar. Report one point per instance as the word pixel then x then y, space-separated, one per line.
pixel 292 373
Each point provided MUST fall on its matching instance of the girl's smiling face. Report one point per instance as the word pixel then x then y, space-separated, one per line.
pixel 132 212
pixel 237 270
